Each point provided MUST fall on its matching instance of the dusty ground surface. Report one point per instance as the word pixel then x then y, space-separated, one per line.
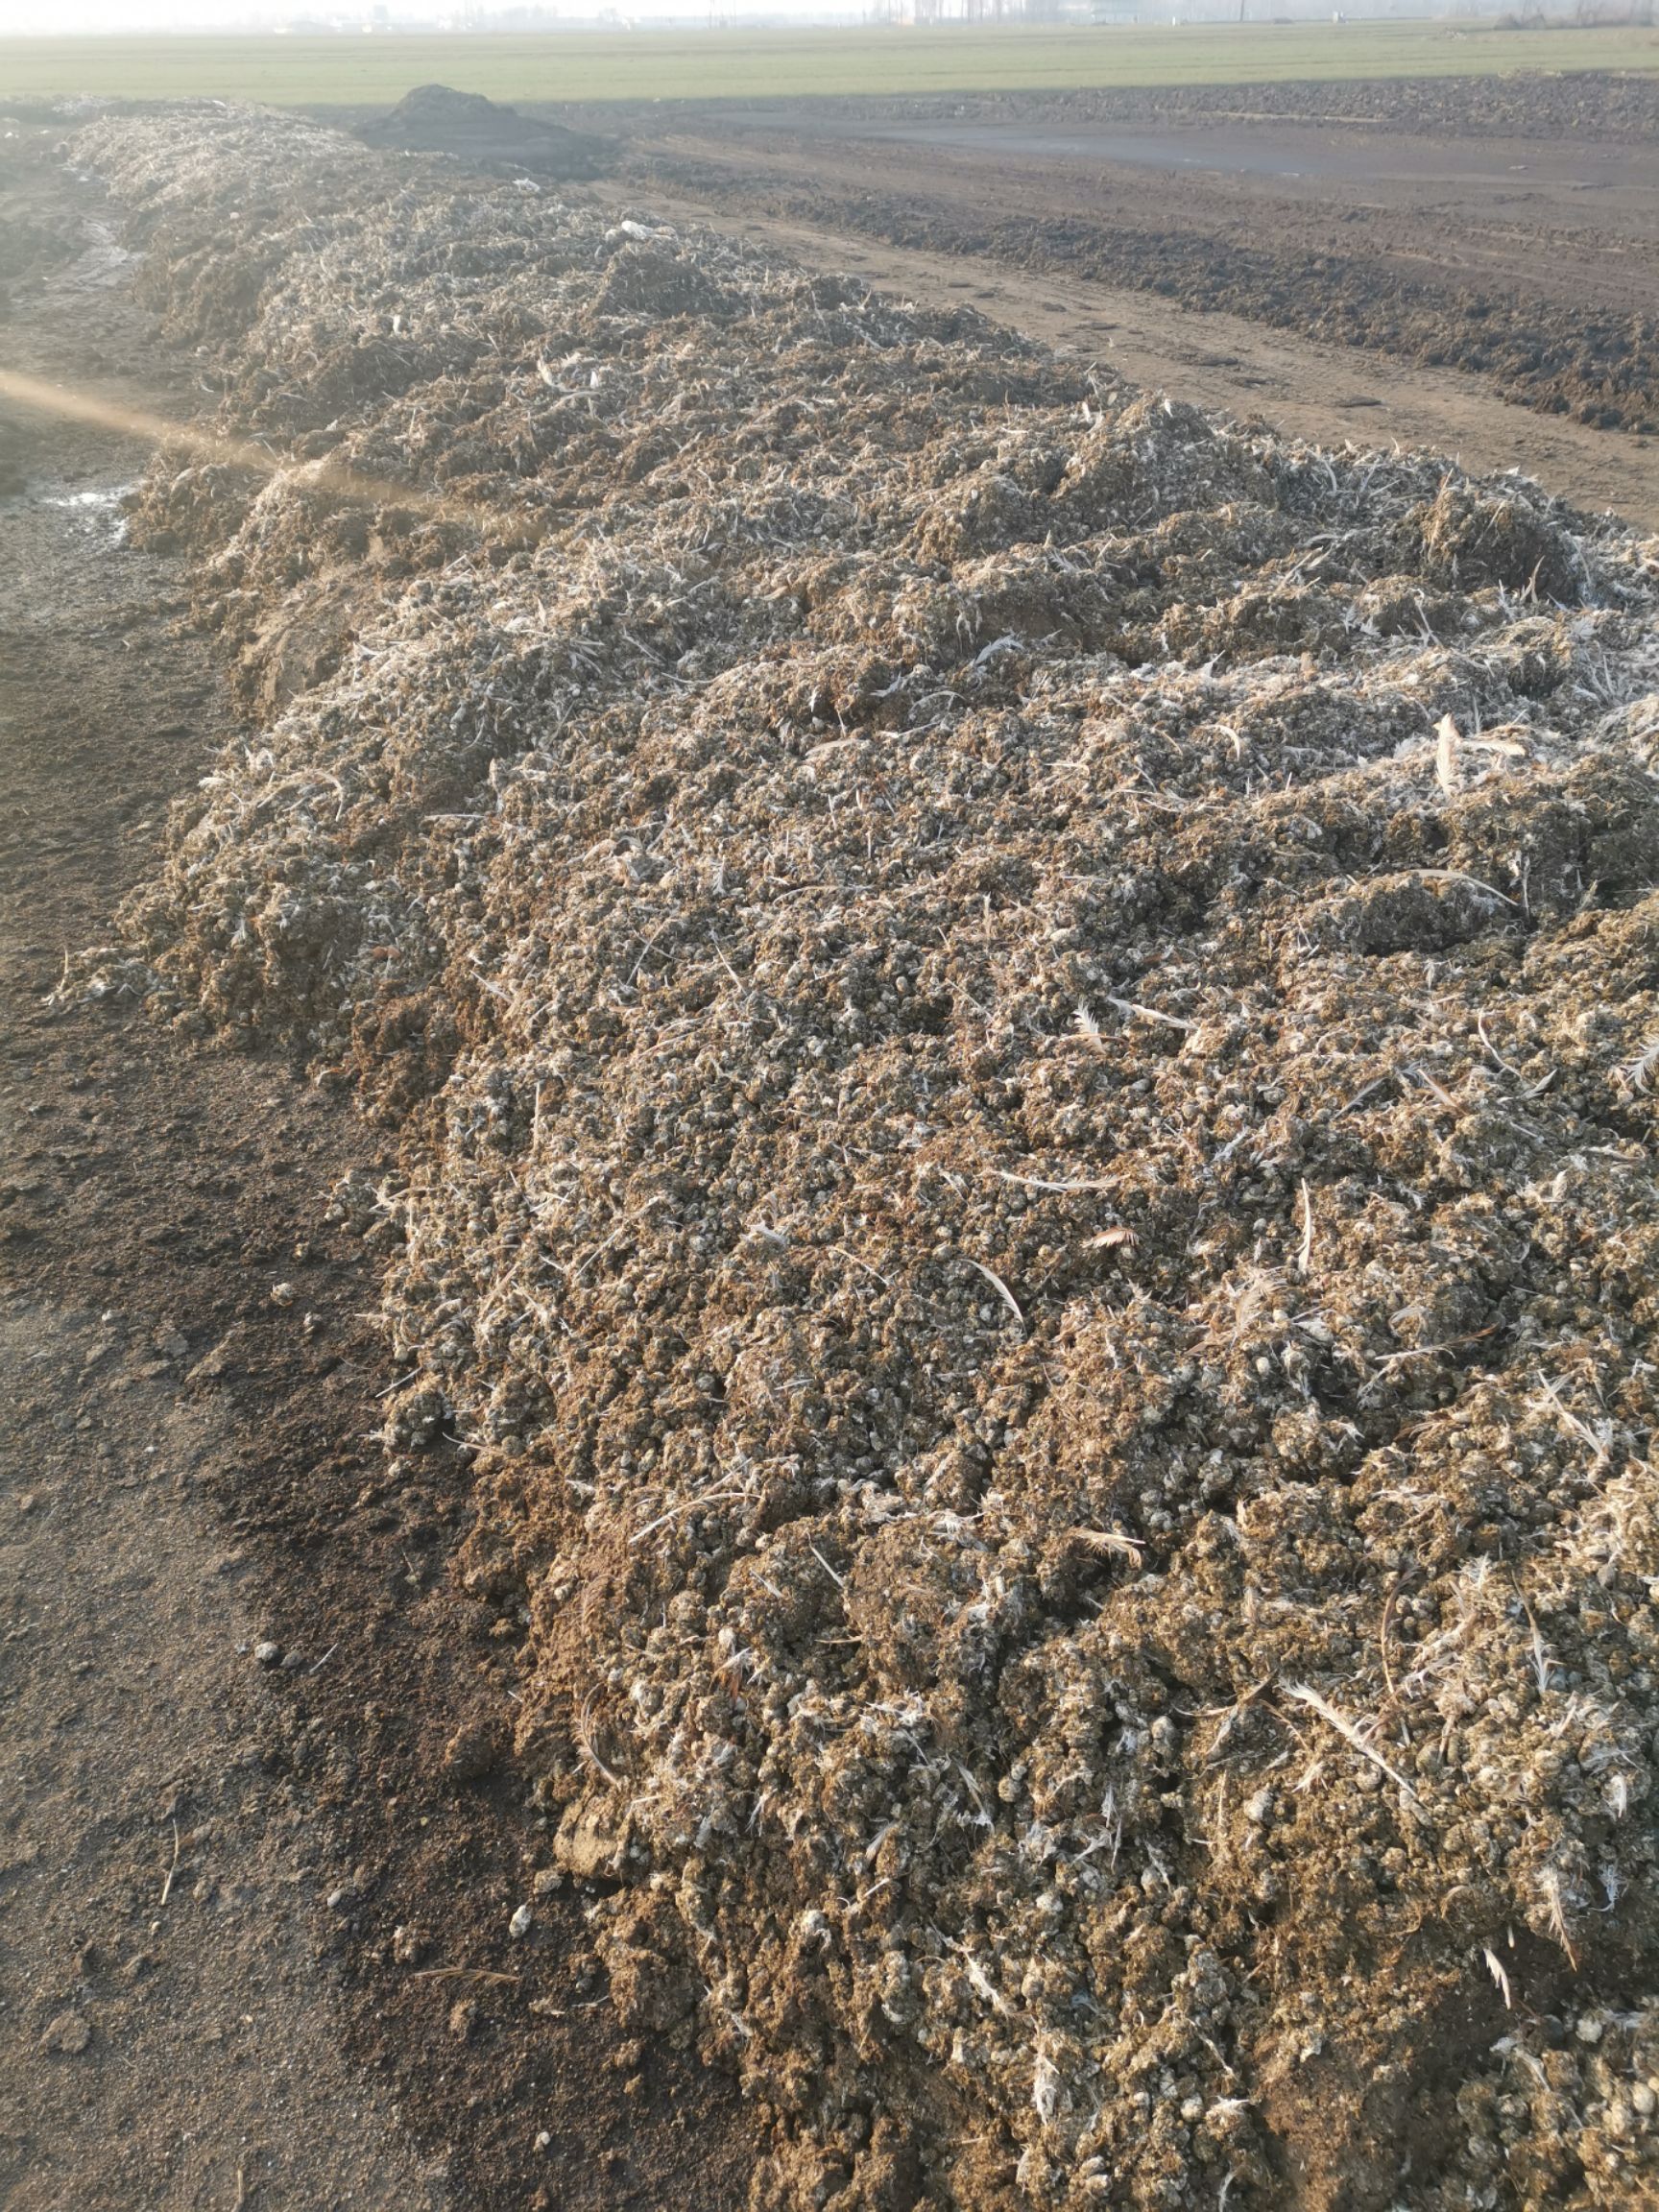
pixel 1510 230
pixel 253 1917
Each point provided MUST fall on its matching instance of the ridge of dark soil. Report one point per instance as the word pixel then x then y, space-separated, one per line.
pixel 1599 104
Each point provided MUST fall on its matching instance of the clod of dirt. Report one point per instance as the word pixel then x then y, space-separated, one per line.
pixel 1026 1026
pixel 69 2034
pixel 474 1752
pixel 590 1844
pixel 434 119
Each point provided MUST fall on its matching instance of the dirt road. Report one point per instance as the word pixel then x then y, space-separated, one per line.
pixel 256 1865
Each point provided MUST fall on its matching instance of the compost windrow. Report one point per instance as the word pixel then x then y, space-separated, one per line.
pixel 1024 1028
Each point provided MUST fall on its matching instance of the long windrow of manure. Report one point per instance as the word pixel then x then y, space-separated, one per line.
pixel 1026 1030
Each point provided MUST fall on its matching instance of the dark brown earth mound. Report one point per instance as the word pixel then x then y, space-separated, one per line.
pixel 1023 1025
pixel 434 119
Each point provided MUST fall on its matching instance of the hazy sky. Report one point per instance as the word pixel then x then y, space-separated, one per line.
pixel 112 16
pixel 47 17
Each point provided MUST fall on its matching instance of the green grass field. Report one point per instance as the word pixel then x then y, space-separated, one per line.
pixel 700 66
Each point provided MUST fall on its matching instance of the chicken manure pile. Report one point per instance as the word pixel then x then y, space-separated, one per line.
pixel 1026 1031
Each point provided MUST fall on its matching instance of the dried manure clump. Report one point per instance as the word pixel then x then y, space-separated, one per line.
pixel 1027 1029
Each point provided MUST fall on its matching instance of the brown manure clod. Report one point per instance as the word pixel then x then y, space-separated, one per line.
pixel 1036 1194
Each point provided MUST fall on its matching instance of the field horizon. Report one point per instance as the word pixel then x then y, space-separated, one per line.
pixel 340 71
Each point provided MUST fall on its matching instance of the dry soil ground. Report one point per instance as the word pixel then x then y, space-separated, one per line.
pixel 253 1908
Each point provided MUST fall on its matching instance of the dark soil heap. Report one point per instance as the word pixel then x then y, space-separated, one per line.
pixel 432 119
pixel 1025 1027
